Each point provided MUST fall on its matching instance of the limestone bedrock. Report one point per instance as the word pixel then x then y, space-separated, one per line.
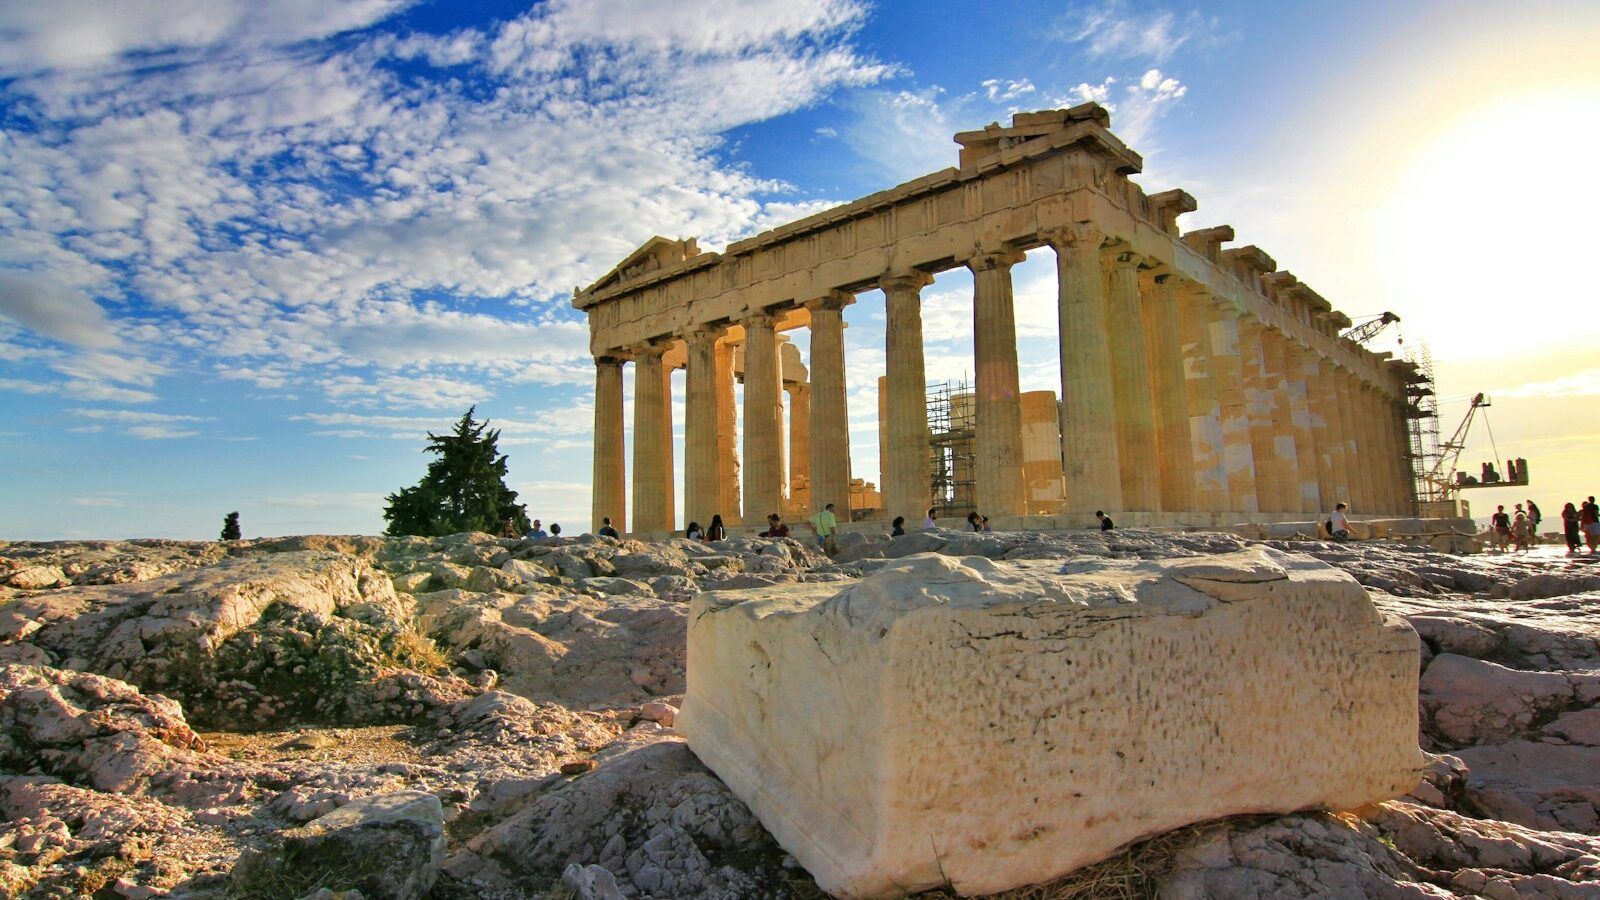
pixel 996 724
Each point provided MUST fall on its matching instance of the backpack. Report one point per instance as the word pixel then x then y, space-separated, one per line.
pixel 1328 525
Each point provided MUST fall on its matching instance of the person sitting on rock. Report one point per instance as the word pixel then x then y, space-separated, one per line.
pixel 555 529
pixel 775 527
pixel 928 523
pixel 898 527
pixel 716 532
pixel 509 529
pixel 985 522
pixel 1105 521
pixel 973 521
pixel 1338 524
pixel 537 531
pixel 606 530
pixel 693 532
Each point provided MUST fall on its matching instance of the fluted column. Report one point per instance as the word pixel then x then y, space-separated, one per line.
pixel 799 447
pixel 1089 461
pixel 830 414
pixel 652 430
pixel 1258 396
pixel 997 427
pixel 1355 467
pixel 702 494
pixel 907 483
pixel 1205 412
pixel 728 473
pixel 610 464
pixel 1169 391
pixel 1310 370
pixel 763 476
pixel 1338 431
pixel 1400 423
pixel 1238 451
pixel 1130 385
pixel 1285 440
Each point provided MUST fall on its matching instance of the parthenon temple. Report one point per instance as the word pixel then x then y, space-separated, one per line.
pixel 1199 384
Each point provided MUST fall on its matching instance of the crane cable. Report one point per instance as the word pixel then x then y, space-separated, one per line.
pixel 1495 449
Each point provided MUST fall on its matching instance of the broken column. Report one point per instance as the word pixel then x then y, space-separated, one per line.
pixel 990 724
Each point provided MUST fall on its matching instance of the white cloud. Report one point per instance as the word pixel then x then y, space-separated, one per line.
pixel 1135 108
pixel 78 390
pixel 94 501
pixel 1579 384
pixel 146 426
pixel 1118 30
pixel 997 89
pixel 54 310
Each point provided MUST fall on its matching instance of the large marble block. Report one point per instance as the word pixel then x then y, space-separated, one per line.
pixel 995 724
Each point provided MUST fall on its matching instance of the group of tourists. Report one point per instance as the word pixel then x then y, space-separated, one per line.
pixel 509 529
pixel 824 525
pixel 1581 525
pixel 1518 531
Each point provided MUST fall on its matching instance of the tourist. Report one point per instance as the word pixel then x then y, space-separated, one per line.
pixel 1589 517
pixel 1534 518
pixel 716 532
pixel 1519 531
pixel 606 530
pixel 775 527
pixel 1105 521
pixel 1338 524
pixel 693 532
pixel 555 529
pixel 1569 528
pixel 986 529
pixel 928 523
pixel 898 526
pixel 510 529
pixel 537 531
pixel 825 523
pixel 1500 525
pixel 973 521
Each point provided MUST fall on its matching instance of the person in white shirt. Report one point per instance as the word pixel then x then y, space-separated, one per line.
pixel 1340 530
pixel 928 524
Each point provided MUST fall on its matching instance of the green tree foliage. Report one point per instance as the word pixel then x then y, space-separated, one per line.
pixel 230 527
pixel 464 490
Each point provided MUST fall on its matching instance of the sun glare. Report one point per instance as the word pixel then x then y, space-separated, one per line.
pixel 1489 223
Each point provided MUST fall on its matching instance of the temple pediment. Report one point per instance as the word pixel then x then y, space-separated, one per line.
pixel 653 255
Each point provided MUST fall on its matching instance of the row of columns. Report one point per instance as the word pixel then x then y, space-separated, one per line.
pixel 1172 401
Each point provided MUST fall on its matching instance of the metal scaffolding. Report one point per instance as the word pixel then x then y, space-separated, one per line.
pixel 1422 422
pixel 950 446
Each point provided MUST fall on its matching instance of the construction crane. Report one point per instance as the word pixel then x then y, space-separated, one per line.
pixel 1445 479
pixel 1370 328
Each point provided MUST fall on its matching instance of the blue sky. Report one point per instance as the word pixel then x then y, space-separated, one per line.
pixel 251 251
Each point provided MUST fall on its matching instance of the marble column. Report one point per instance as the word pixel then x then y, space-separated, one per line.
pixel 1089 460
pixel 1204 411
pixel 702 494
pixel 907 481
pixel 997 427
pixel 1402 433
pixel 610 464
pixel 728 474
pixel 1321 441
pixel 652 432
pixel 799 447
pixel 1238 451
pixel 1285 444
pixel 1259 399
pixel 1169 391
pixel 1338 431
pixel 829 424
pixel 763 437
pixel 1130 385
pixel 1299 393
pixel 1358 498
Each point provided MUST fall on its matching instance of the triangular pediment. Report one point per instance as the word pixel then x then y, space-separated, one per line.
pixel 653 255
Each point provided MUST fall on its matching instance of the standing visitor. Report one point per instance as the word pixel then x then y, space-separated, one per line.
pixel 1534 518
pixel 1500 524
pixel 898 526
pixel 1569 528
pixel 1589 516
pixel 928 524
pixel 716 532
pixel 1105 521
pixel 606 530
pixel 825 523
pixel 1339 523
pixel 1519 531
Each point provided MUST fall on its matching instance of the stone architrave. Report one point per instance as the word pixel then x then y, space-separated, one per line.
pixel 701 492
pixel 610 461
pixel 1205 412
pixel 829 423
pixel 728 472
pixel 1168 391
pixel 1238 451
pixel 652 433
pixel 907 481
pixel 1089 461
pixel 763 415
pixel 990 725
pixel 997 429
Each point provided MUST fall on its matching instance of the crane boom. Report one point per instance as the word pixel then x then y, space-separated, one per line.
pixel 1371 328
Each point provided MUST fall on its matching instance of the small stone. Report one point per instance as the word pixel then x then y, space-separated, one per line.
pixel 577 767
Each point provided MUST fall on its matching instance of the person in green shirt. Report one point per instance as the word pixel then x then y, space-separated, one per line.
pixel 826 524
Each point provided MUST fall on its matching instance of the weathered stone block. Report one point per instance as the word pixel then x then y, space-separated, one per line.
pixel 996 724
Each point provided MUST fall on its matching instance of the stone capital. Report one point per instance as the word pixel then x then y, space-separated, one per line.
pixel 1074 237
pixel 649 349
pixel 909 279
pixel 700 334
pixel 832 300
pixel 1003 258
pixel 1119 256
pixel 761 317
pixel 614 358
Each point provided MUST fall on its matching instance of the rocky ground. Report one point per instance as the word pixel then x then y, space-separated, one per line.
pixel 471 717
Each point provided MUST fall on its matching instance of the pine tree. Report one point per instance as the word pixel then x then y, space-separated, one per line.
pixel 230 527
pixel 463 490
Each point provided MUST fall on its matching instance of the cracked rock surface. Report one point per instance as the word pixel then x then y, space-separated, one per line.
pixel 169 707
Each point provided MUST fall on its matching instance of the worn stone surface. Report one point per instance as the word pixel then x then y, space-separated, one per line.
pixel 1087 690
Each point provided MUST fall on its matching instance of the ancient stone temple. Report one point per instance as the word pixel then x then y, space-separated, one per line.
pixel 1199 384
